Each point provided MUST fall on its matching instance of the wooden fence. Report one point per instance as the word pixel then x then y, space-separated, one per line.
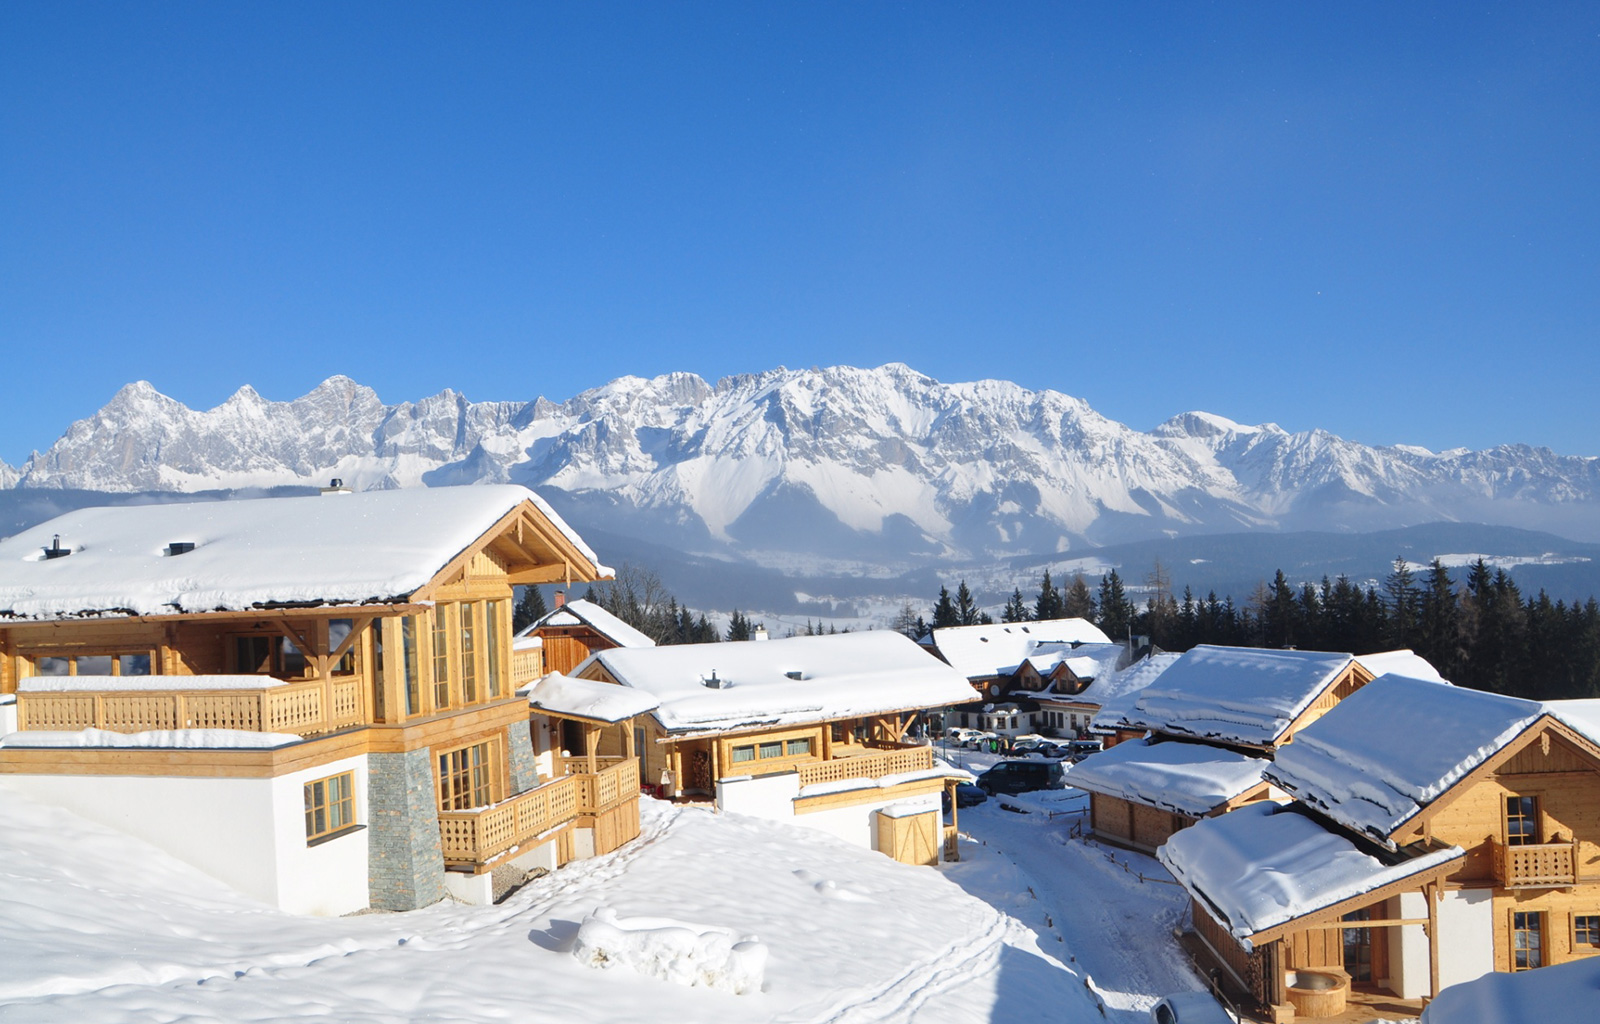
pixel 868 766
pixel 304 708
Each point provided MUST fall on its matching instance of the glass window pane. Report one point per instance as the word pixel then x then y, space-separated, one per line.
pixel 133 664
pixel 292 663
pixel 799 747
pixel 94 665
pixel 53 666
pixel 413 672
pixel 744 754
pixel 772 749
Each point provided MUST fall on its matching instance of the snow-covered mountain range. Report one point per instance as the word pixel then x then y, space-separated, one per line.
pixel 879 465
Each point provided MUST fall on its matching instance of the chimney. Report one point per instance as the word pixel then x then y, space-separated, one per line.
pixel 561 598
pixel 759 633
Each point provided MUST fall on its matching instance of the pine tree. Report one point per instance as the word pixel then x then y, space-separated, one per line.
pixel 1403 604
pixel 1015 610
pixel 529 609
pixel 1048 604
pixel 738 626
pixel 966 608
pixel 1439 623
pixel 1078 602
pixel 1116 612
pixel 944 611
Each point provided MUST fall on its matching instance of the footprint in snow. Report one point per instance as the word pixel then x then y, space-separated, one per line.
pixel 829 889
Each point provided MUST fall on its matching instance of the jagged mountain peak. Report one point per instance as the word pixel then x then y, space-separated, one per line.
pixel 874 464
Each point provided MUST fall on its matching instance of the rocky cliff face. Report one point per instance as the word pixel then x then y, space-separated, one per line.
pixel 881 464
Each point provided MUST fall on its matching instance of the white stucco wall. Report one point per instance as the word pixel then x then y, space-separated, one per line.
pixel 1466 935
pixel 247 833
pixel 765 796
pixel 1409 972
pixel 8 713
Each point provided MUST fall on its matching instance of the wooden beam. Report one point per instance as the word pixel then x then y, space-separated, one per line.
pixel 558 573
pixel 1431 894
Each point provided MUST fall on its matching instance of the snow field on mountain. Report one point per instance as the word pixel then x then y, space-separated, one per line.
pixel 101 928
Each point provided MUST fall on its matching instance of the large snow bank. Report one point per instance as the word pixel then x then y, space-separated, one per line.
pixel 1563 992
pixel 1190 778
pixel 1363 765
pixel 1265 864
pixel 376 546
pixel 674 951
pixel 1235 694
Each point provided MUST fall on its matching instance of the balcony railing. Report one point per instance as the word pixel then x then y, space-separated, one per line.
pixel 1540 866
pixel 527 666
pixel 476 836
pixel 867 766
pixel 304 708
pixel 616 783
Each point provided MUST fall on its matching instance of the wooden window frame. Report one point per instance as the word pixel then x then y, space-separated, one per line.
pixel 467 636
pixel 1591 946
pixel 319 798
pixel 32 660
pixel 411 663
pixel 1534 819
pixel 1537 918
pixel 452 797
pixel 493 630
pixel 440 694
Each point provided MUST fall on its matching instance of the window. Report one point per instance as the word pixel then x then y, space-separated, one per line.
pixel 469 652
pixel 410 666
pixel 747 753
pixel 1522 820
pixel 769 749
pixel 799 748
pixel 330 805
pixel 94 665
pixel 1585 932
pixel 268 655
pixel 1358 947
pixel 1527 941
pixel 492 657
pixel 773 748
pixel 466 777
pixel 338 632
pixel 441 658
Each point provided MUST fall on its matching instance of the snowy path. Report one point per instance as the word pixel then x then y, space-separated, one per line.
pixel 1083 898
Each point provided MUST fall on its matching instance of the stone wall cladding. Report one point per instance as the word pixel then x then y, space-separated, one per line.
pixel 405 863
pixel 524 769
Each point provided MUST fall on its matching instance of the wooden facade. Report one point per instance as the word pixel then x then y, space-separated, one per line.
pixel 435 671
pixel 1145 828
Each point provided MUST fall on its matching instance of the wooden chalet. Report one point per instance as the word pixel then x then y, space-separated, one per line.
pixel 1512 787
pixel 809 729
pixel 576 629
pixel 311 698
pixel 1242 703
pixel 991 656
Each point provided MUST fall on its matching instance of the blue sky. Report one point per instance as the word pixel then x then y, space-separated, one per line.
pixel 1379 219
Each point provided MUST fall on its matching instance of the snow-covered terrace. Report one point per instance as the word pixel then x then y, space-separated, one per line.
pixel 1190 778
pixel 371 547
pixel 1235 694
pixel 1262 866
pixel 797 680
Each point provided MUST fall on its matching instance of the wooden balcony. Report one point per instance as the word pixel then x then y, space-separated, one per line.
pixel 1541 866
pixel 527 666
pixel 607 801
pixel 474 837
pixel 874 765
pixel 305 708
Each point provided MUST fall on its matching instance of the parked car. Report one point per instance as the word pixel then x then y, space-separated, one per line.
pixel 979 740
pixel 1020 777
pixel 1053 751
pixel 1080 749
pixel 968 795
pixel 1189 1008
pixel 958 734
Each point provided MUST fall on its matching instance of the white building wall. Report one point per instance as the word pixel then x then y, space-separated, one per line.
pixel 246 833
pixel 8 713
pixel 1466 935
pixel 767 796
pixel 1409 972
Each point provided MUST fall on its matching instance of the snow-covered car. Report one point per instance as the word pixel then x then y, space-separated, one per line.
pixel 1020 777
pixel 978 740
pixel 1189 1008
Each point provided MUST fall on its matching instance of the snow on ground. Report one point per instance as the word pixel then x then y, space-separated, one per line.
pixel 1034 923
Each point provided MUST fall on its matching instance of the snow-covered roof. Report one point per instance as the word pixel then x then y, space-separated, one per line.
pixel 1235 694
pixel 1086 661
pixel 1392 747
pixel 1400 663
pixel 979 652
pixel 589 698
pixel 1117 694
pixel 1265 864
pixel 1190 778
pixel 587 613
pixel 1566 992
pixel 369 547
pixel 1582 716
pixel 781 682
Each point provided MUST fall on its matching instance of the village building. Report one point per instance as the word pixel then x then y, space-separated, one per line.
pixel 309 698
pixel 1456 833
pixel 573 630
pixel 990 656
pixel 1214 718
pixel 809 729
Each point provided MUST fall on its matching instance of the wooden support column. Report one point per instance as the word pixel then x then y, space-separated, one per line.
pixel 827 741
pixel 591 739
pixel 627 738
pixel 1432 894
